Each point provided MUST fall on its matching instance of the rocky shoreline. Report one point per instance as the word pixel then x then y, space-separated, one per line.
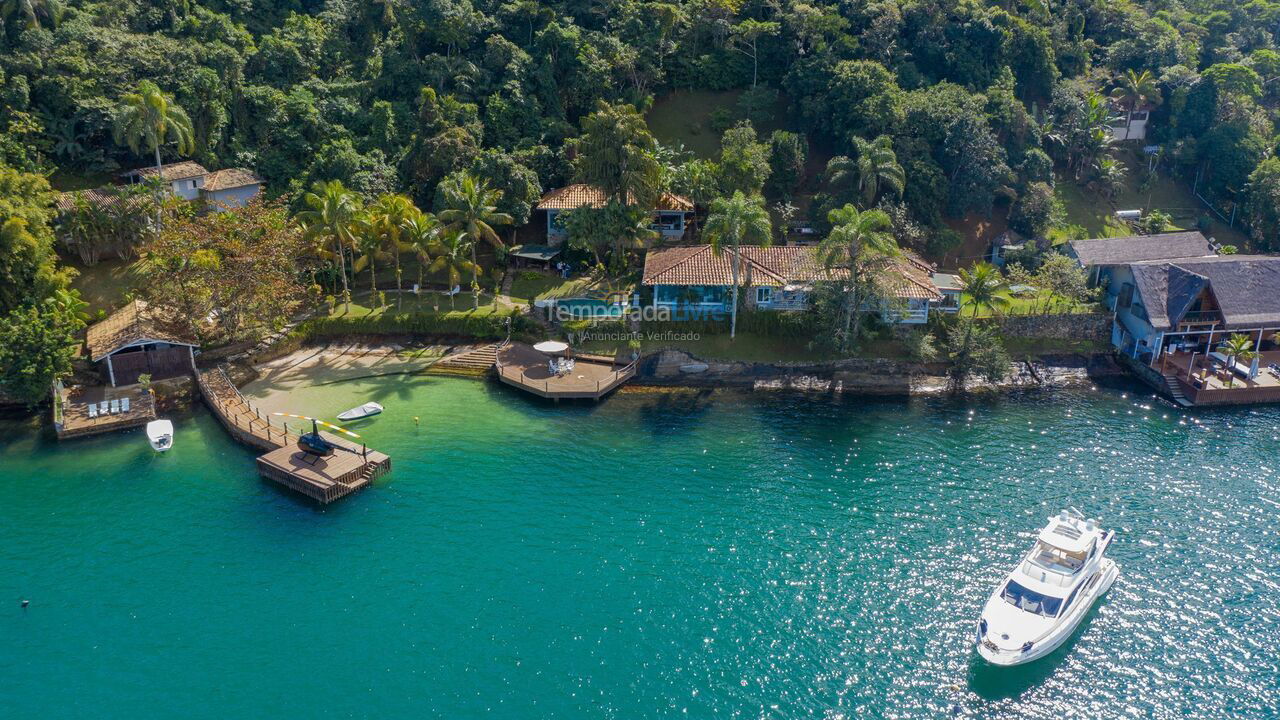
pixel 880 376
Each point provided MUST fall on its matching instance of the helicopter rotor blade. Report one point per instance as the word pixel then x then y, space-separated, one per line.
pixel 319 422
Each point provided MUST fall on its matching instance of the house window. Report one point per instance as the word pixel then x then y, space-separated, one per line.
pixel 764 295
pixel 1126 296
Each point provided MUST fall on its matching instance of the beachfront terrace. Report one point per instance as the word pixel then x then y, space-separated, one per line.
pixel 591 376
pixel 79 411
pixel 1212 380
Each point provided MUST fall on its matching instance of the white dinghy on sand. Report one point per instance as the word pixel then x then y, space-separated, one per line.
pixel 368 409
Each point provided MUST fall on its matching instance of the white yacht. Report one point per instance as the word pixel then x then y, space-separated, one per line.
pixel 1037 607
pixel 160 435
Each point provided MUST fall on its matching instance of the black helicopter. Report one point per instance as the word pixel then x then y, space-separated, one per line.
pixel 313 443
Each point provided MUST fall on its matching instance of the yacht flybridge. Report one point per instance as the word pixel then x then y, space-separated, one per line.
pixel 1037 607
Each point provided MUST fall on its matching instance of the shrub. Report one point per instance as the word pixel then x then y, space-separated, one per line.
pixel 485 327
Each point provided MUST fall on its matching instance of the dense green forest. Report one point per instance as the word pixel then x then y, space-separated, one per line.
pixel 932 110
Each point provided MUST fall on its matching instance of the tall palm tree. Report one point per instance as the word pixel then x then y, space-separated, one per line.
pixel 148 119
pixel 453 252
pixel 332 222
pixel 389 215
pixel 1135 88
pixel 370 243
pixel 417 234
pixel 985 288
pixel 860 243
pixel 874 168
pixel 471 206
pixel 731 221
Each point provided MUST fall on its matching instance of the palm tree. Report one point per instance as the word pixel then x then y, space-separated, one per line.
pixel 731 221
pixel 417 234
pixel 389 216
pixel 859 243
pixel 1110 174
pixel 370 242
pixel 331 222
pixel 874 168
pixel 148 119
pixel 1237 347
pixel 1134 89
pixel 454 251
pixel 30 12
pixel 471 206
pixel 985 288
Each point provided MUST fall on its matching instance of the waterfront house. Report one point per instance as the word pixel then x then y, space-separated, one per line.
pixel 948 285
pixel 138 339
pixel 695 279
pixel 670 217
pixel 1173 316
pixel 1101 256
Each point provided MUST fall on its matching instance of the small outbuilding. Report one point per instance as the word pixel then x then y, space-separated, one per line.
pixel 138 339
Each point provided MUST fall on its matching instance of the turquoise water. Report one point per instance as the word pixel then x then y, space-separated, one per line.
pixel 655 556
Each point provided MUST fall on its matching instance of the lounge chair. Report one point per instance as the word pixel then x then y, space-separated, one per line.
pixel 93 410
pixel 115 407
pixel 104 408
pixel 124 404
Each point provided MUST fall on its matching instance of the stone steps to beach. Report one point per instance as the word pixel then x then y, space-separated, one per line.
pixel 476 360
pixel 1175 391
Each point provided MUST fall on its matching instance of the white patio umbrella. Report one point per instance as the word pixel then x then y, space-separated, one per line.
pixel 551 347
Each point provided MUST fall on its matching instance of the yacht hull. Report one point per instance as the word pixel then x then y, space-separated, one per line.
pixel 1107 573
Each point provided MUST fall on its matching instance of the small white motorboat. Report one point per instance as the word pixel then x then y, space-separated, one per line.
pixel 160 435
pixel 366 410
pixel 1038 605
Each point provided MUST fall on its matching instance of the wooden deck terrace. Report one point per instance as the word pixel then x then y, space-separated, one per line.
pixel 592 377
pixel 71 410
pixel 322 479
pixel 1202 385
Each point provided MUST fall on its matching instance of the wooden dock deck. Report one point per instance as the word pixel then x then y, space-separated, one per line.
pixel 592 377
pixel 322 479
pixel 71 416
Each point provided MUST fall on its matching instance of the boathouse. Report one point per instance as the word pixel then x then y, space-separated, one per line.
pixel 140 339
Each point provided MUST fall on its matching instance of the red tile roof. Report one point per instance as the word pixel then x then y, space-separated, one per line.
pixel 229 179
pixel 770 266
pixel 176 171
pixel 572 197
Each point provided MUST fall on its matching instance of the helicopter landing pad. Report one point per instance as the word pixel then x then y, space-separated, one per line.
pixel 324 478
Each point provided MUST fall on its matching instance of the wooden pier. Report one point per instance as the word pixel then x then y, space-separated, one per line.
pixel 323 479
pixel 71 410
pixel 592 377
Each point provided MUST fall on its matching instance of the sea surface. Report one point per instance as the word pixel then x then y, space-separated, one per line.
pixel 658 555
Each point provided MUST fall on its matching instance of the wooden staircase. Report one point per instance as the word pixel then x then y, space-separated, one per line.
pixel 1175 390
pixel 476 361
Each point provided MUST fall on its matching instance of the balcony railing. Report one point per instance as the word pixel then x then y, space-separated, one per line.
pixel 1203 316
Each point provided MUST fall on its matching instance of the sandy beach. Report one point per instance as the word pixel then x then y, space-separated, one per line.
pixel 317 366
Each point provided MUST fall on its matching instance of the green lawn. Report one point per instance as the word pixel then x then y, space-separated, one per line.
pixel 683 117
pixel 1028 305
pixel 1096 214
pixel 427 302
pixel 530 285
pixel 104 285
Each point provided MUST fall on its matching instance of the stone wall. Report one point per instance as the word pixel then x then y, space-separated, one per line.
pixel 1093 326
